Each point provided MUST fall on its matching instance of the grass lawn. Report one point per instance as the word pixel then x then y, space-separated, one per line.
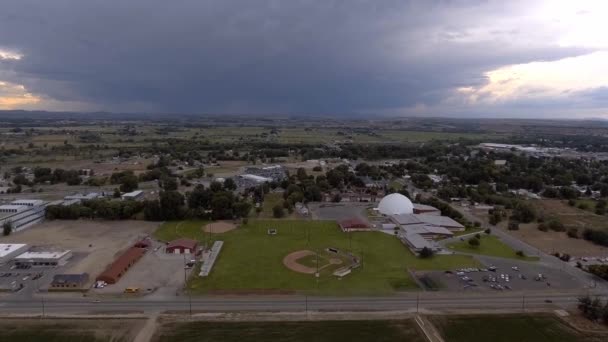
pixel 319 331
pixel 506 328
pixel 490 245
pixel 181 229
pixel 251 261
pixel 270 200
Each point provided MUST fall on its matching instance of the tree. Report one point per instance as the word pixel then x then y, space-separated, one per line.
pixel 513 225
pixel 128 183
pixel 168 183
pixel 7 228
pixel 229 184
pixel 171 203
pixel 426 253
pixel 474 242
pixel 488 231
pixel 277 211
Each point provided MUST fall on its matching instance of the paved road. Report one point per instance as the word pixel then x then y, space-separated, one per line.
pixel 439 301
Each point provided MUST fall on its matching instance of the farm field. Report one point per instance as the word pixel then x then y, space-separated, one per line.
pixel 251 261
pixel 57 330
pixel 319 331
pixel 490 245
pixel 507 328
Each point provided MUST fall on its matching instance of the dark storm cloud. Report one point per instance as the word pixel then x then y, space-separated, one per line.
pixel 258 56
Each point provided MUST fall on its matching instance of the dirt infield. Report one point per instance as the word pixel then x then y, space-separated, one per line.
pixel 291 262
pixel 219 227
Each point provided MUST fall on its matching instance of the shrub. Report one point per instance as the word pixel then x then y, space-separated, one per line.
pixel 543 227
pixel 556 225
pixel 520 253
pixel 277 211
pixel 573 233
pixel 474 242
pixel 513 225
pixel 488 231
pixel 426 253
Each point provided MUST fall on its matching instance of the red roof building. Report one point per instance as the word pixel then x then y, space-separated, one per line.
pixel 121 265
pixel 182 246
pixel 352 225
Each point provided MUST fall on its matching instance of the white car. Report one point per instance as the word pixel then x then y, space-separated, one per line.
pixel 515 268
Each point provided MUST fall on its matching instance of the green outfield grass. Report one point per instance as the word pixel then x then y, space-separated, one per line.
pixel 490 245
pixel 252 261
pixel 507 328
pixel 319 331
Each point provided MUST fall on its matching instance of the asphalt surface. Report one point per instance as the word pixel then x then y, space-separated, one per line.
pixel 410 302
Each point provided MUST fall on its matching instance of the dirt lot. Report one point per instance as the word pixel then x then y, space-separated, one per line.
pixel 550 242
pixel 155 270
pixel 72 330
pixel 101 241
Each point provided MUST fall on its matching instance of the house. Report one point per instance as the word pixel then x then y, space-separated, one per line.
pixel 182 246
pixel 134 195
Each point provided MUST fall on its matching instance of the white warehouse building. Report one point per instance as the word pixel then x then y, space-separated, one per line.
pixel 22 213
pixel 10 250
pixel 43 258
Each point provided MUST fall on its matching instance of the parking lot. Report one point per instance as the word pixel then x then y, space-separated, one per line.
pixel 339 211
pixel 506 275
pixel 25 281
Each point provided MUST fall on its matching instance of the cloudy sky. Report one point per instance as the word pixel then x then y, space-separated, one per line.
pixel 379 57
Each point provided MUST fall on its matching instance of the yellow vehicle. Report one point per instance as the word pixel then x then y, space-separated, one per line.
pixel 132 290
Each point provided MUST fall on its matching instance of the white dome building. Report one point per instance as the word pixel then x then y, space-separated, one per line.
pixel 395 204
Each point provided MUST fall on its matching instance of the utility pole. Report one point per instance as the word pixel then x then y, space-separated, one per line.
pixel 186 286
pixel 41 297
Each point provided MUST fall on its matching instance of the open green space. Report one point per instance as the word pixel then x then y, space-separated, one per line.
pixel 169 231
pixel 490 245
pixel 53 330
pixel 251 261
pixel 319 331
pixel 270 200
pixel 507 328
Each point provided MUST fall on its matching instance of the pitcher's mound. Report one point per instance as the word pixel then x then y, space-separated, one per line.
pixel 219 227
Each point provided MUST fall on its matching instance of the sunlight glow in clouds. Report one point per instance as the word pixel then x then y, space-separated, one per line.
pixel 15 96
pixel 540 79
pixel 9 55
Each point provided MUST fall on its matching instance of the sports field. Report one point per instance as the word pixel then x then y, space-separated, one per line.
pixel 251 261
pixel 319 331
pixel 507 328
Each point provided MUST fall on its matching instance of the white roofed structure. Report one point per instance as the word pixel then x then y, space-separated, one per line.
pixel 395 204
